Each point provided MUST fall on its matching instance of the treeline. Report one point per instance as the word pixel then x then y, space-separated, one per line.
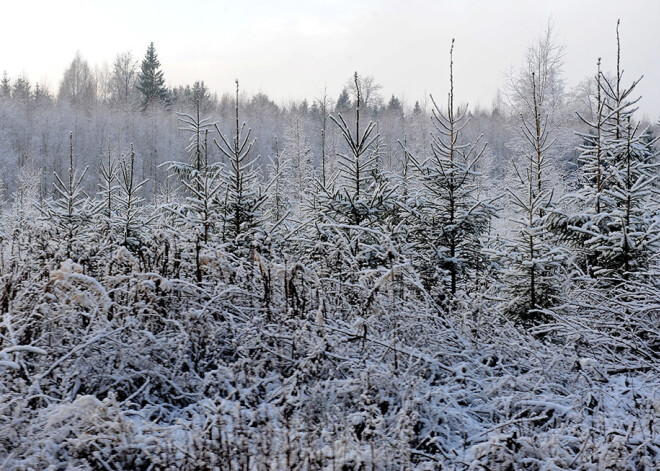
pixel 131 104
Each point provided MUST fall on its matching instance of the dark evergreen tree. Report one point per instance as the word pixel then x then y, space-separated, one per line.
pixel 22 89
pixel 150 80
pixel 343 104
pixel 395 105
pixel 5 86
pixel 41 95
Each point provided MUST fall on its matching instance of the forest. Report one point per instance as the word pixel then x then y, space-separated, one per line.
pixel 194 281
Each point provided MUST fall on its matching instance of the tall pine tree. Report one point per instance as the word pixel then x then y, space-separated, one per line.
pixel 151 82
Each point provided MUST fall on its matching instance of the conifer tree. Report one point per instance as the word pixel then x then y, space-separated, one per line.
pixel 343 104
pixel 197 146
pixel 530 260
pixel 108 173
pixel 353 211
pixel 450 216
pixel 278 205
pixel 22 90
pixel 611 220
pixel 358 200
pixel 243 197
pixel 198 214
pixel 5 86
pixel 300 173
pixel 150 80
pixel 41 95
pixel 201 179
pixel 323 103
pixel 105 237
pixel 70 210
pixel 131 218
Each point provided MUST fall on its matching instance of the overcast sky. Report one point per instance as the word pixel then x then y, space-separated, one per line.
pixel 293 49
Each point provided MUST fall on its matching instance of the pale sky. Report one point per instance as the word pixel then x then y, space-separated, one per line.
pixel 293 49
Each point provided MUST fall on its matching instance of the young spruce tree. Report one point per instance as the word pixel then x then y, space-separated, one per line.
pixel 201 179
pixel 611 221
pixel 353 208
pixel 70 210
pixel 243 197
pixel 451 218
pixel 131 215
pixel 531 260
